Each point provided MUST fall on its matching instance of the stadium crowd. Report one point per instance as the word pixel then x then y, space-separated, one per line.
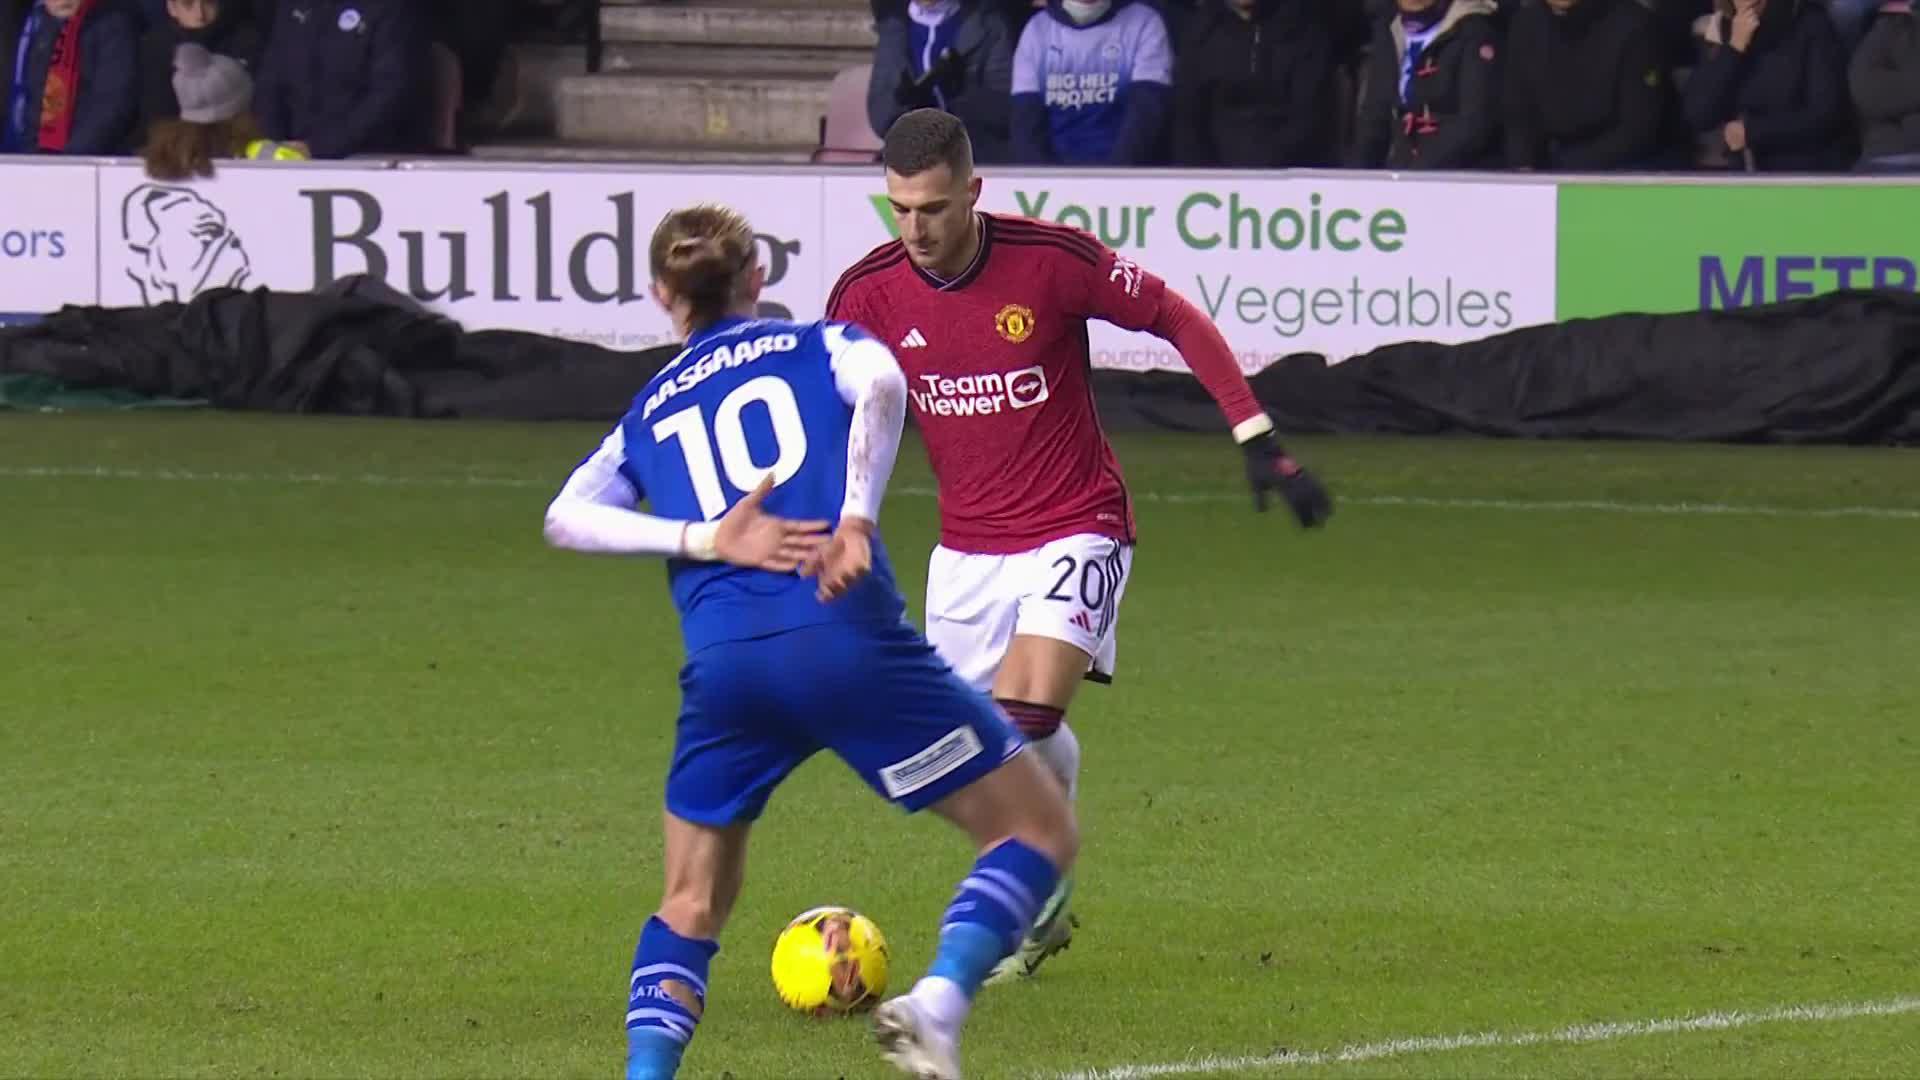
pixel 288 78
pixel 1570 85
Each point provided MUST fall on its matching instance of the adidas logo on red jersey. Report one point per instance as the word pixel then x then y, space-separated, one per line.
pixel 913 340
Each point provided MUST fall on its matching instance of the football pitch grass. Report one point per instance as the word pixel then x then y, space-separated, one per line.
pixel 314 762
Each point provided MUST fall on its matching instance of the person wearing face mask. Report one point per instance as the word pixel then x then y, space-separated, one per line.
pixel 1585 90
pixel 952 55
pixel 1771 94
pixel 1253 86
pixel 1433 89
pixel 72 89
pixel 1092 84
pixel 222 27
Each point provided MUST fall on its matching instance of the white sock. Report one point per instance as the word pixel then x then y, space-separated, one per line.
pixel 942 1001
pixel 1061 752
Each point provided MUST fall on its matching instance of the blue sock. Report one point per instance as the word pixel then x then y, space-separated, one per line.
pixel 658 1025
pixel 993 910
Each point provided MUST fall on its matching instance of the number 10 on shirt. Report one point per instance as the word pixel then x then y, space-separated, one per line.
pixel 728 436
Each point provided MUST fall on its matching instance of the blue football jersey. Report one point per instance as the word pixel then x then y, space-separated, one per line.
pixel 744 398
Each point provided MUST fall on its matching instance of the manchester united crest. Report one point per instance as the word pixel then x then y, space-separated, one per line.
pixel 1015 322
pixel 54 98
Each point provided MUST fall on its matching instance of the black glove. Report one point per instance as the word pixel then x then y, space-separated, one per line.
pixel 1270 468
pixel 910 94
pixel 942 75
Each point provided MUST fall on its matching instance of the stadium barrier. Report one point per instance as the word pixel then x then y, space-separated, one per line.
pixel 1327 263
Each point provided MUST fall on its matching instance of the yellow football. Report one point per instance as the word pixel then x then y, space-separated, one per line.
pixel 829 961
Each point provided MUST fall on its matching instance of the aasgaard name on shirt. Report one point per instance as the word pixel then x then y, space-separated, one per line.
pixel 720 359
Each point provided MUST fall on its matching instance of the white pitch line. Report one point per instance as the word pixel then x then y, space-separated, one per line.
pixel 1892 513
pixel 470 480
pixel 89 472
pixel 1566 1036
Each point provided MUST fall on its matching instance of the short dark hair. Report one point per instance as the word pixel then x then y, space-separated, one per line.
pixel 925 138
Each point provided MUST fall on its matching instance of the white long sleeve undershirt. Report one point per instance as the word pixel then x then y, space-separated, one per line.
pixel 594 512
pixel 870 380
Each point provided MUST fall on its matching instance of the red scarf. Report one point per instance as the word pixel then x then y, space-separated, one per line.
pixel 63 83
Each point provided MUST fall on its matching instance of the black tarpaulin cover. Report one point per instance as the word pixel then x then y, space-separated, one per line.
pixel 1842 368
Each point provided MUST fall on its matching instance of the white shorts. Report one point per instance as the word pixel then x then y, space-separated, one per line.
pixel 1068 590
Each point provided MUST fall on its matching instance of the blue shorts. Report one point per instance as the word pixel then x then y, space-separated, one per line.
pixel 876 694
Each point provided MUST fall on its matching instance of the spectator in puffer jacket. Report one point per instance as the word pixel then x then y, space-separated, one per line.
pixel 1585 89
pixel 1253 86
pixel 73 88
pixel 1772 89
pixel 222 27
pixel 1885 78
pixel 1433 89
pixel 952 55
pixel 344 77
pixel 1092 84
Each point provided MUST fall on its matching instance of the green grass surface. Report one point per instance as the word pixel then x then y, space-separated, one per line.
pixel 314 762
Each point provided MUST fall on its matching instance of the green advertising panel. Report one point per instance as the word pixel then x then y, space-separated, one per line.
pixel 1684 247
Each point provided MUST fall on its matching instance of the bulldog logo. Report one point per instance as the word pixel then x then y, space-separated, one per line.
pixel 181 245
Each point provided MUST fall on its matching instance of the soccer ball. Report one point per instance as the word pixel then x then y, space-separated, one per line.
pixel 830 960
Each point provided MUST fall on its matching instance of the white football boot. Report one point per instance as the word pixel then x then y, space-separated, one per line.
pixel 913 1043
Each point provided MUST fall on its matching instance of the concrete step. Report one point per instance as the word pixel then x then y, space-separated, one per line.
pixel 540 68
pixel 649 58
pixel 797 24
pixel 554 150
pixel 739 111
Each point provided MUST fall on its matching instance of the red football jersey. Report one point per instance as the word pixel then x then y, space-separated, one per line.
pixel 998 367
